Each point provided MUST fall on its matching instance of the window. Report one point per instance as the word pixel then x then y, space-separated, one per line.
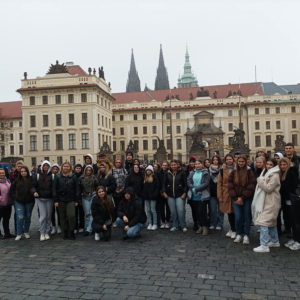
pixel 105 122
pixel 98 120
pixel 11 124
pixel 293 109
pixel 2 151
pixel 71 119
pixel 20 136
pixel 178 143
pixel 144 117
pixel 169 144
pixel 11 136
pixel 83 98
pixel 59 142
pixel 84 119
pixel 33 161
pixel 46 142
pixel 277 124
pixel 168 116
pixel 168 129
pixel 20 124
pixel 122 131
pixel 2 137
pixel 229 113
pixel 21 149
pixel 136 144
pixel 59 160
pixel 12 150
pixel 121 117
pixel 45 100
pixel 144 130
pixel 114 146
pixel 32 100
pixel 267 111
pixel 122 145
pixel 71 98
pixel 57 99
pixel 268 140
pixel 145 144
pixel 72 141
pixel 102 118
pixel 177 115
pixel 295 139
pixel 101 101
pixel 32 121
pixel 58 120
pixel 109 123
pixel 105 103
pixel 178 129
pixel 256 125
pixel 154 130
pixel 268 125
pixel 154 116
pixel 85 141
pixel 113 118
pixel 257 141
pixel 256 111
pixel 135 130
pixel 114 131
pixel 45 121
pixel 154 144
pixel 33 143
pixel 294 123
pixel 97 99
pixel 230 127
pixel 72 160
pixel 135 117
pixel 277 110
pixel 230 139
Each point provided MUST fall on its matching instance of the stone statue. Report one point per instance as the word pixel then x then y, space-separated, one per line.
pixel 197 142
pixel 167 98
pixel 105 148
pixel 109 84
pixel 161 143
pixel 90 71
pixel 56 69
pixel 25 75
pixel 215 94
pixel 202 93
pixel 238 141
pixel 279 142
pixel 101 73
pixel 229 94
pixel 191 96
pixel 177 97
pixel 94 71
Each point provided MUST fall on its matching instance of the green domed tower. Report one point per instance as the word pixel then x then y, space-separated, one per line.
pixel 187 79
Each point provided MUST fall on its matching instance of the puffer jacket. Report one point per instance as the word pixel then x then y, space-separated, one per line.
pixel 203 187
pixel 151 189
pixel 109 183
pixel 95 167
pixel 87 185
pixel 44 192
pixel 175 185
pixel 22 196
pixel 100 213
pixel 5 198
pixel 136 181
pixel 290 184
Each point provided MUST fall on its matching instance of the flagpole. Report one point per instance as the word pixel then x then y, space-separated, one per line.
pixel 171 129
pixel 240 115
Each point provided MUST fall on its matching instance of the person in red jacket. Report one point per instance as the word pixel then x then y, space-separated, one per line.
pixel 241 188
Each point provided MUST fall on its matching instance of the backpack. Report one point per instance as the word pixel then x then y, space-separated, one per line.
pixel 38 176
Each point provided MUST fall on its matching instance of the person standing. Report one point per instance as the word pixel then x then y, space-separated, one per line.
pixel 278 156
pixel 136 181
pixel 260 165
pixel 289 149
pixel 106 180
pixel 24 202
pixel 174 189
pixel 129 162
pixel 260 152
pixel 207 163
pixel 88 161
pixel 266 205
pixel 66 198
pixel 102 159
pixel 241 187
pixel 14 175
pixel 163 203
pixel 42 188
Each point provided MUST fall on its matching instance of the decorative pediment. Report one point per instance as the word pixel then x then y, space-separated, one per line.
pixel 57 68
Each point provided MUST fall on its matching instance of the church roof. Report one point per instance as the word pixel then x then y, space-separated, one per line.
pixel 73 70
pixel 161 80
pixel 133 82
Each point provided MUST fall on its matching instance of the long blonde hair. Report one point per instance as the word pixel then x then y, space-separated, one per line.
pixel 263 160
pixel 282 175
pixel 62 167
pixel 106 173
pixel 148 178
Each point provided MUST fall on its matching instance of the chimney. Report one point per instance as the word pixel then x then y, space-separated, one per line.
pixel 69 64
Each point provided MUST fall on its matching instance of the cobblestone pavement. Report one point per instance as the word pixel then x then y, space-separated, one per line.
pixel 160 265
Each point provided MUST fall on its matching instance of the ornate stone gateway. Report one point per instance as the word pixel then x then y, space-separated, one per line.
pixel 238 143
pixel 132 147
pixel 280 144
pixel 107 151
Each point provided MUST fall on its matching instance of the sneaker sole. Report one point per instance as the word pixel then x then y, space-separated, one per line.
pixel 246 243
pixel 261 251
pixel 274 246
pixel 237 242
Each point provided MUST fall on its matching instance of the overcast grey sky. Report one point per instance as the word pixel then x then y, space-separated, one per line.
pixel 226 39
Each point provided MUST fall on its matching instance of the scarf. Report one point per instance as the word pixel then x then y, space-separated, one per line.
pixel 3 179
pixel 214 173
pixel 230 168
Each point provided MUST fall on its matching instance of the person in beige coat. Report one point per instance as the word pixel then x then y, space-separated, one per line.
pixel 266 205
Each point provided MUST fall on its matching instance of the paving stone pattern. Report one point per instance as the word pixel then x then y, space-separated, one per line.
pixel 160 265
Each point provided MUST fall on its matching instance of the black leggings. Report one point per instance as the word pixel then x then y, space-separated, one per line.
pixel 194 211
pixel 55 209
pixel 164 210
pixel 295 214
pixel 201 209
pixel 79 217
pixel 285 209
pixel 99 228
pixel 5 213
pixel 231 219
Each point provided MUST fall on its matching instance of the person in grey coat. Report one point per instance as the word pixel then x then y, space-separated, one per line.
pixel 199 192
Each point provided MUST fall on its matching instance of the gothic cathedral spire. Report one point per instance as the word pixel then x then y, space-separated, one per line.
pixel 133 82
pixel 162 80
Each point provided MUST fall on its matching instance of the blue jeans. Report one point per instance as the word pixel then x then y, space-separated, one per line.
pixel 243 213
pixel 177 208
pixel 151 211
pixel 23 212
pixel 132 232
pixel 217 216
pixel 86 204
pixel 264 235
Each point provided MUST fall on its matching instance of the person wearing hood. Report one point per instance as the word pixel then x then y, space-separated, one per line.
pixel 260 165
pixel 88 184
pixel 24 202
pixel 102 159
pixel 131 215
pixel 165 212
pixel 88 161
pixel 42 188
pixel 106 180
pixel 260 152
pixel 136 181
pixel 150 193
pixel 198 184
pixel 278 156
pixel 129 162
pixel 66 198
pixel 266 205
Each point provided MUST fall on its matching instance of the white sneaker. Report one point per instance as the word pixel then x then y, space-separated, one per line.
pixel 233 235
pixel 42 238
pixel 59 230
pixel 27 236
pixel 174 229
pixel 18 237
pixel 246 240
pixel 212 227
pixel 273 245
pixel 154 227
pixel 115 225
pixel 289 243
pixel 238 239
pixel 167 226
pixel 229 233
pixel 295 246
pixel 262 249
pixel 149 226
pixel 75 231
pixel 97 237
pixel 81 230
pixel 163 225
pixel 53 231
pixel 184 230
pixel 47 237
pixel 218 228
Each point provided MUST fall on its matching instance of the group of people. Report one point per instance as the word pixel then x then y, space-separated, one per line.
pixel 97 197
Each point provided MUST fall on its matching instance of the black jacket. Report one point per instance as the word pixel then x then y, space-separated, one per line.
pixel 95 168
pixel 87 185
pixel 109 183
pixel 175 186
pixel 295 160
pixel 151 189
pixel 13 176
pixel 66 188
pixel 159 179
pixel 129 166
pixel 133 209
pixel 44 192
pixel 100 213
pixel 257 172
pixel 290 183
pixel 135 181
pixel 22 197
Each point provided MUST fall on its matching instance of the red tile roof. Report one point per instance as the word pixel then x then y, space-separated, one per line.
pixel 247 89
pixel 73 70
pixel 11 109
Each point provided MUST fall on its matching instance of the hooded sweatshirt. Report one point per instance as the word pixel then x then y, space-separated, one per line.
pixel 88 185
pixel 95 168
pixel 280 155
